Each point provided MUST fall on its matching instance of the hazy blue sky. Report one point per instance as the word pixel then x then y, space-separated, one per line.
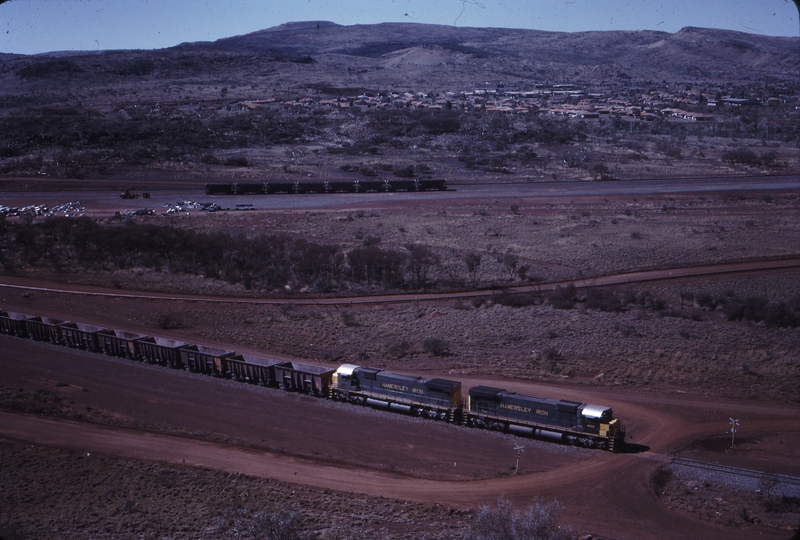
pixel 33 26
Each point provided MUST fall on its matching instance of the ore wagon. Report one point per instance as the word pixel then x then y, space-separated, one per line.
pixel 13 324
pixel 434 184
pixel 219 189
pixel 364 186
pixel 341 187
pixel 166 352
pixel 81 336
pixel 249 188
pixel 208 360
pixel 252 369
pixel 402 185
pixel 311 187
pixel 45 329
pixel 119 343
pixel 279 187
pixel 306 378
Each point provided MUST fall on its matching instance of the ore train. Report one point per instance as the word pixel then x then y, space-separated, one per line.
pixel 355 186
pixel 486 407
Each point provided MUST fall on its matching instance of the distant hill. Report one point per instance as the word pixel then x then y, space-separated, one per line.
pixel 419 57
pixel 689 53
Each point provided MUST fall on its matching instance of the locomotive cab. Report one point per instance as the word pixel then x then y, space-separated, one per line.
pixel 600 421
pixel 344 378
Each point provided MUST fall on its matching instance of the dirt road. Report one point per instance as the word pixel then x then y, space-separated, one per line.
pixel 32 285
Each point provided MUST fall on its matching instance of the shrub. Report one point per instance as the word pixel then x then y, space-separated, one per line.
pixel 399 349
pixel 168 321
pixel 436 346
pixel 239 161
pixel 600 171
pixel 563 297
pixel 745 156
pixel 404 172
pixel 603 300
pixel 551 353
pixel 515 300
pixel 750 308
pixel 368 171
pixel 661 478
pixel 537 522
pixel 349 319
pixel 210 159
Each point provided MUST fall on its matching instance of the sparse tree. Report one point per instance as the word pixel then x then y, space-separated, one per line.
pixel 473 262
pixel 420 260
pixel 510 262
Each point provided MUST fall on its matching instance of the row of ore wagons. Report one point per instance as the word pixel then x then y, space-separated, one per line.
pixel 486 407
pixel 167 352
pixel 354 186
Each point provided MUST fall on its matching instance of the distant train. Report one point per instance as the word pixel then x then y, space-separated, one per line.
pixel 486 407
pixel 355 186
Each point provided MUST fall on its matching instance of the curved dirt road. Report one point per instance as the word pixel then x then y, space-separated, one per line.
pixel 33 285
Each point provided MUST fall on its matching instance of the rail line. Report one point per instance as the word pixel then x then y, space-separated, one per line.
pixel 600 281
pixel 735 471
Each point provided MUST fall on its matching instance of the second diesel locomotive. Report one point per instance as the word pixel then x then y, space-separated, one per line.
pixel 433 398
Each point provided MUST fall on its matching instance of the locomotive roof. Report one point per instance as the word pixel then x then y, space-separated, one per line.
pixel 498 394
pixel 595 411
pixel 443 385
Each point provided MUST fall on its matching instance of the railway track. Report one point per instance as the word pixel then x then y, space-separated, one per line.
pixel 778 484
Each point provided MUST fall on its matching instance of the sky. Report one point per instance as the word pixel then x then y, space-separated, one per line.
pixel 36 26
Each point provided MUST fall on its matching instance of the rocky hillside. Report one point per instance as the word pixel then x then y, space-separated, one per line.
pixel 321 100
pixel 687 54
